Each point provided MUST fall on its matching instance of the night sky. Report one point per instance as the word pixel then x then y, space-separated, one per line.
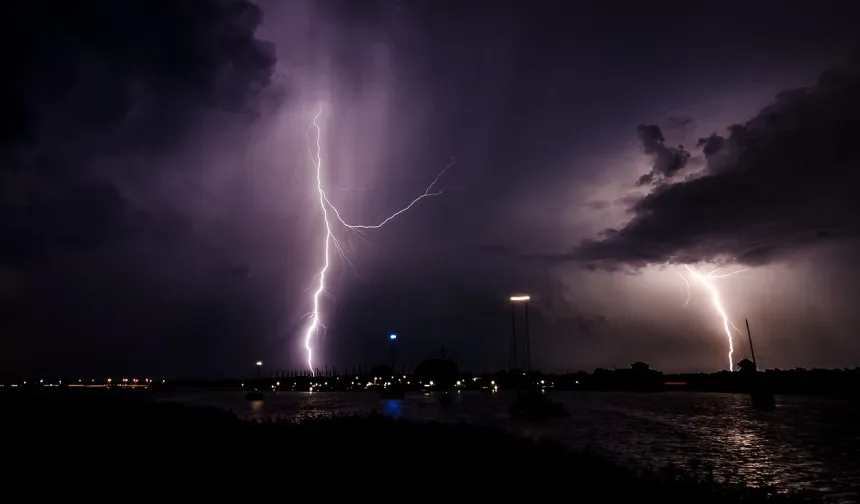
pixel 159 213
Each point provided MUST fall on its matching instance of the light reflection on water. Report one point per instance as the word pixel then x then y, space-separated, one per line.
pixel 393 408
pixel 807 443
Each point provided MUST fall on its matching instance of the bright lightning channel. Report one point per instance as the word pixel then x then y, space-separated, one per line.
pixel 329 211
pixel 707 282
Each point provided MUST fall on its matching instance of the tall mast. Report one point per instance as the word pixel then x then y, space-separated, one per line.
pixel 749 335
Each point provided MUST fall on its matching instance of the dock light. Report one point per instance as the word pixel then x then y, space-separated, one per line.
pixel 392 337
pixel 520 298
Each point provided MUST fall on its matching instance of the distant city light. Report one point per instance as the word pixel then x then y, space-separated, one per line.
pixel 392 337
pixel 520 298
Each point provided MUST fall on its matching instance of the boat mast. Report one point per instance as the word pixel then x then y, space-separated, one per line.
pixel 752 351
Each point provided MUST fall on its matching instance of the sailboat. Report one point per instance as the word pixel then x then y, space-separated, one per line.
pixel 760 394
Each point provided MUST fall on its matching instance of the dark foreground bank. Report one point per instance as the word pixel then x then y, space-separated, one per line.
pixel 175 448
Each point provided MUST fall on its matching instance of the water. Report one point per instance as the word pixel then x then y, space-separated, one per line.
pixel 808 443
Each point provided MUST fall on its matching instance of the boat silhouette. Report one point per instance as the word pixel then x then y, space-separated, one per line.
pixel 760 394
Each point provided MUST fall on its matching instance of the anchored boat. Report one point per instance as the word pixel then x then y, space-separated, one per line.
pixel 760 395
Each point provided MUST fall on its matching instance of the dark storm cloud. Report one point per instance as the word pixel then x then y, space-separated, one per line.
pixel 785 180
pixel 667 161
pixel 94 92
pixel 98 79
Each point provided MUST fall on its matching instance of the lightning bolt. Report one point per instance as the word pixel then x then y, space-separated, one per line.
pixel 707 282
pixel 331 217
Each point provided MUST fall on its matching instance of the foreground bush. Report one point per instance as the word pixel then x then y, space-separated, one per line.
pixel 204 451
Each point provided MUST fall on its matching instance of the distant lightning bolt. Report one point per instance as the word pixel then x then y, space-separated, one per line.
pixel 707 282
pixel 332 215
pixel 688 288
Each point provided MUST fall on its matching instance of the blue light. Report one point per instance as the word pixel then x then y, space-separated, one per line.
pixel 392 337
pixel 392 408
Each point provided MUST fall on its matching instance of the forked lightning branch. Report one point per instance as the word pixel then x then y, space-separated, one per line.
pixel 332 218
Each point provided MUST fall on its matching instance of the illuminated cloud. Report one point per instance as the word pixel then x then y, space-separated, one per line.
pixel 783 181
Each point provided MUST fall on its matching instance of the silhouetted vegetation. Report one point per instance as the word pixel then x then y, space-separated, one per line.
pixel 81 431
pixel 824 382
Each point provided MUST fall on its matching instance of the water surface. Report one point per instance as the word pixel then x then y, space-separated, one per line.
pixel 808 443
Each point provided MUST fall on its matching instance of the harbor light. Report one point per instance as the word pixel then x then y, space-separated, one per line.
pixel 392 337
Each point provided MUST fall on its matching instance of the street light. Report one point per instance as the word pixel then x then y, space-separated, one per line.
pixel 259 370
pixel 513 360
pixel 393 339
